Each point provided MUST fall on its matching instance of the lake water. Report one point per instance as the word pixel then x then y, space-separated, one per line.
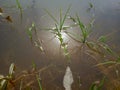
pixel 15 45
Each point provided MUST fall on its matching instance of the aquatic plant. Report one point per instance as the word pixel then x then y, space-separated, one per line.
pixel 85 31
pixel 7 81
pixel 97 85
pixel 98 46
pixel 39 83
pixel 32 31
pixel 116 62
pixel 23 80
pixel 59 28
pixel 91 6
pixel 20 8
pixel 94 48
pixel 37 76
pixel 87 46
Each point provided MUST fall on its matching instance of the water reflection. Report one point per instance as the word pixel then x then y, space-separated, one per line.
pixel 15 45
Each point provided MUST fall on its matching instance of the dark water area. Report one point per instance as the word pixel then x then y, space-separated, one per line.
pixel 15 45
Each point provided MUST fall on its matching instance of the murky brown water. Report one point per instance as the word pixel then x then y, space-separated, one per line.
pixel 15 46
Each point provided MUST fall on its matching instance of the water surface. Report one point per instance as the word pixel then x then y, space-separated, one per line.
pixel 15 46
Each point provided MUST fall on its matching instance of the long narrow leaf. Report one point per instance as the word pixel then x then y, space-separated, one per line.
pixel 61 23
pixel 20 8
pixel 39 83
pixel 97 85
pixel 11 70
pixel 51 15
pixel 101 83
pixel 60 18
pixel 102 39
pixel 83 29
pixel 81 25
pixel 106 63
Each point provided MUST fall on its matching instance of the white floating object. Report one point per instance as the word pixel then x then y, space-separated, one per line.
pixel 68 79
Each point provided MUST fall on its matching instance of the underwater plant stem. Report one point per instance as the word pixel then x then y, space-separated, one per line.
pixel 20 8
pixel 21 84
pixel 39 83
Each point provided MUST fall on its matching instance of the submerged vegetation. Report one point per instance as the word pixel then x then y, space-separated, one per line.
pixel 34 40
pixel 106 59
pixel 59 28
pixel 97 85
pixel 7 81
pixel 23 81
pixel 20 8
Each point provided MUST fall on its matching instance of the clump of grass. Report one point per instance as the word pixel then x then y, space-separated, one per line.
pixel 84 30
pixel 25 80
pixel 97 49
pixel 59 28
pixel 98 46
pixel 90 47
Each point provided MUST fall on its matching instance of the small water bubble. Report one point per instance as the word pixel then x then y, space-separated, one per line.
pixel 75 23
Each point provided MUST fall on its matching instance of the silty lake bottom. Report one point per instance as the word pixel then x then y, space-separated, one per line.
pixel 44 41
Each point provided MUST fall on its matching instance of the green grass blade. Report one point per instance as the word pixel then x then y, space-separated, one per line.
pixel 18 4
pixel 81 25
pixel 109 50
pixel 39 83
pixel 20 8
pixel 97 85
pixel 102 39
pixel 118 59
pixel 72 18
pixel 29 32
pixel 90 25
pixel 57 30
pixel 83 29
pixel 65 16
pixel 91 5
pixel 34 65
pixel 93 87
pixel 94 47
pixel 51 15
pixel 101 83
pixel 60 18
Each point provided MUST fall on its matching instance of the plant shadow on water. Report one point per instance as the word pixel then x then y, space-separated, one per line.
pixel 91 61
